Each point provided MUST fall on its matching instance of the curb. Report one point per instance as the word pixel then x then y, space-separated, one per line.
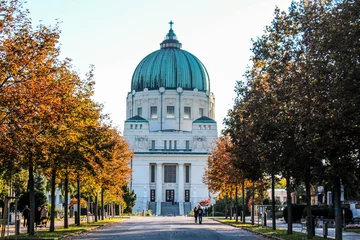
pixel 248 230
pixel 85 231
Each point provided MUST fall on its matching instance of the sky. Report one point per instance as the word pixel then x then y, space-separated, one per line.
pixel 115 35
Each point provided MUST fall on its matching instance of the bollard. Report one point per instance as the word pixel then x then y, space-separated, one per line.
pixel 313 224
pixel 76 218
pixel 17 228
pixel 265 219
pixel 325 229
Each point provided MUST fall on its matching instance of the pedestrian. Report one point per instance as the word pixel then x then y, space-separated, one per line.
pixel 200 213
pixel 26 215
pixel 44 215
pixel 38 216
pixel 195 213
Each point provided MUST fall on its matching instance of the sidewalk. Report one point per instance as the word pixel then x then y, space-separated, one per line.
pixel 10 230
pixel 318 231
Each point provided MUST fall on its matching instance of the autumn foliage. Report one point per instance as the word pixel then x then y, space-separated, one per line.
pixel 48 120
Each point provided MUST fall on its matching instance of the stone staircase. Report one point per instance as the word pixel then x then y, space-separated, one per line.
pixel 187 208
pixel 152 207
pixel 168 209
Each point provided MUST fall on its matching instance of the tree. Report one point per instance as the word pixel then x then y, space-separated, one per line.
pixel 298 104
pixel 129 199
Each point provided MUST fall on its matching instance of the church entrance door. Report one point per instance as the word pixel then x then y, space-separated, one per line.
pixel 170 195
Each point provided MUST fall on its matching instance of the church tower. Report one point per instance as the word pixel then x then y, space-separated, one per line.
pixel 170 127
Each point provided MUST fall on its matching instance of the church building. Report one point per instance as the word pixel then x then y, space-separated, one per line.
pixel 170 127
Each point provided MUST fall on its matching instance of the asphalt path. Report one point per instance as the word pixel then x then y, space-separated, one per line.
pixel 168 228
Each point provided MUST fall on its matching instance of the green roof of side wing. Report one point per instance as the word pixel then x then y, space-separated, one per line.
pixel 204 120
pixel 136 119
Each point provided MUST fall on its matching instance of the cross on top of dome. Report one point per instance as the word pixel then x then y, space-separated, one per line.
pixel 171 39
pixel 171 23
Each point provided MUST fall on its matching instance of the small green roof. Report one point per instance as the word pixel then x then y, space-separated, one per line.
pixel 204 119
pixel 136 118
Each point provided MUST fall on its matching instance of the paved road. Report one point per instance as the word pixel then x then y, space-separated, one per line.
pixel 168 228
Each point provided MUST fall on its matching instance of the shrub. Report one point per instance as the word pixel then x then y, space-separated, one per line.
pixel 297 212
pixel 148 213
pixel 191 214
pixel 320 211
pixel 328 212
pixel 40 199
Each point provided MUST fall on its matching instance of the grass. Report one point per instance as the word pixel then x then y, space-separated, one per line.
pixel 355 230
pixel 279 232
pixel 62 232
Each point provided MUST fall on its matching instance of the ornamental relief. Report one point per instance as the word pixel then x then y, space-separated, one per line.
pixel 141 142
pixel 138 102
pixel 199 142
pixel 187 101
pixel 153 101
pixel 170 101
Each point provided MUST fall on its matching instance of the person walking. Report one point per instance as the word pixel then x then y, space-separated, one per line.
pixel 200 213
pixel 195 214
pixel 44 215
pixel 26 215
pixel 38 216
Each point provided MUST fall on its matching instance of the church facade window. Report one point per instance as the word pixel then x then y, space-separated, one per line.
pixel 187 173
pixel 170 173
pixel 201 112
pixel 187 112
pixel 152 173
pixel 153 112
pixel 170 111
pixel 139 111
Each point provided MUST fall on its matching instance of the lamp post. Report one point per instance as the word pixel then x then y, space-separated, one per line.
pixel 144 200
pixel 195 200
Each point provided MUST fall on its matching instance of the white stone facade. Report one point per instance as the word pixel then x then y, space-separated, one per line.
pixel 171 132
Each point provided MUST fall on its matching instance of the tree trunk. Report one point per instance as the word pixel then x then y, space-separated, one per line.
pixel 52 210
pixel 273 200
pixel 66 208
pixel 102 204
pixel 337 209
pixel 243 201
pixel 88 209
pixel 309 221
pixel 253 205
pixel 32 198
pixel 226 207
pixel 78 203
pixel 231 208
pixel 237 204
pixel 289 205
pixel 96 207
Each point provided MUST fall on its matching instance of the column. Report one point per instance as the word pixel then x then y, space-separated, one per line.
pixel 181 188
pixel 158 187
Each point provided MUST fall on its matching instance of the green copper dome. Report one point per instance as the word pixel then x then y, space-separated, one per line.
pixel 170 67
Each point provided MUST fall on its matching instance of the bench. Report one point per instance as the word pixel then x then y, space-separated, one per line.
pixel 303 225
pixel 42 223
